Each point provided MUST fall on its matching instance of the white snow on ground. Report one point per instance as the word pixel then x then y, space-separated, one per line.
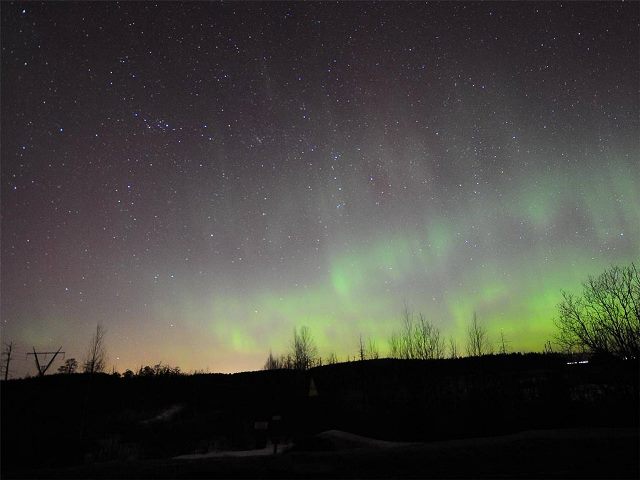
pixel 339 439
pixel 268 450
pixel 346 440
pixel 165 415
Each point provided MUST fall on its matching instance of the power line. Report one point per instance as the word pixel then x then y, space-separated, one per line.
pixel 42 370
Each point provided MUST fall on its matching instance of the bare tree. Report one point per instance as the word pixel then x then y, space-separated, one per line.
pixel 548 348
pixel 417 339
pixel 427 340
pixel 477 343
pixel 503 344
pixel 304 351
pixel 394 345
pixel 606 317
pixel 69 366
pixel 372 350
pixel 368 349
pixel 401 343
pixel 96 357
pixel 272 363
pixel 332 359
pixel 453 348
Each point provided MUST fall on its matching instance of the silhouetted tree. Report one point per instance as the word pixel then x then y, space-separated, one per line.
pixel 158 370
pixel 304 351
pixel 402 343
pixel 96 357
pixel 332 359
pixel 272 362
pixel 162 369
pixel 128 373
pixel 372 350
pixel 548 348
pixel 453 348
pixel 146 371
pixel 286 360
pixel 477 343
pixel 503 344
pixel 303 354
pixel 606 317
pixel 368 350
pixel 69 366
pixel 361 350
pixel 418 339
pixel 394 345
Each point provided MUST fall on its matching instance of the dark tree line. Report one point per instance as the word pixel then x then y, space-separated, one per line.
pixel 603 319
pixel 157 370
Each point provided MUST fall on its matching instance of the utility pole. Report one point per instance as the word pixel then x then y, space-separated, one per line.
pixel 7 353
pixel 42 370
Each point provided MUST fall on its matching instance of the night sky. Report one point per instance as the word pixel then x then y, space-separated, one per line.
pixel 201 178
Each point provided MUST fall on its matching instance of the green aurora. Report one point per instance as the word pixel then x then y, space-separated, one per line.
pixel 202 178
pixel 433 271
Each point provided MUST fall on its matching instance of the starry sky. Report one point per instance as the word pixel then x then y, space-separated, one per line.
pixel 201 178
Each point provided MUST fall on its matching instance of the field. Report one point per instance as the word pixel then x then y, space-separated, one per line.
pixel 511 416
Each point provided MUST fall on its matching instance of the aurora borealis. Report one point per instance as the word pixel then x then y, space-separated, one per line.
pixel 203 177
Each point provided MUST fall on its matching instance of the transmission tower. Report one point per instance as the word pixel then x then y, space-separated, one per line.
pixel 8 348
pixel 42 370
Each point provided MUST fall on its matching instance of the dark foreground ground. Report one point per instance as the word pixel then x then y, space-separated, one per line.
pixel 569 453
pixel 506 416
